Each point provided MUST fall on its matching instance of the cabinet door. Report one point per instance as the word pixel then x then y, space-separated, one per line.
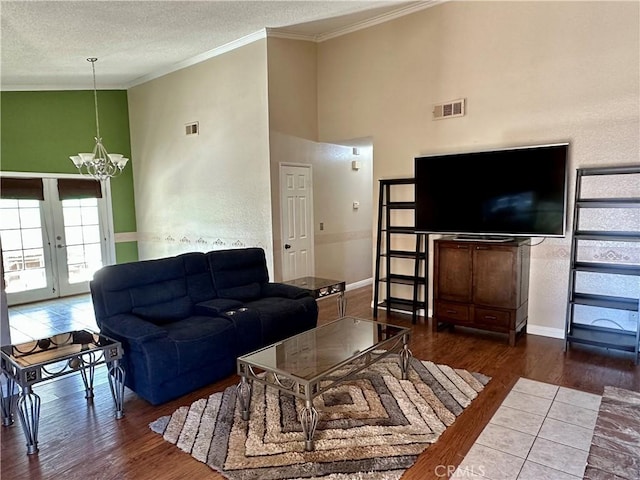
pixel 494 276
pixel 454 272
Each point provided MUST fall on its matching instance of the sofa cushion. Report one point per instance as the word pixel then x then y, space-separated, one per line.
pixel 202 342
pixel 246 293
pixel 279 317
pixel 165 312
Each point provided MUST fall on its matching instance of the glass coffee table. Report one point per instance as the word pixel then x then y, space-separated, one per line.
pixel 308 364
pixel 28 363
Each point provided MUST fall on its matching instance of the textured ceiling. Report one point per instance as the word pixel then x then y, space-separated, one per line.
pixel 45 44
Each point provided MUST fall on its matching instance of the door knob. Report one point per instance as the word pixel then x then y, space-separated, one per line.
pixel 287 246
pixel 60 246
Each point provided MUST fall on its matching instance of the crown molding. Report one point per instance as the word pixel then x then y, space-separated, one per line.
pixel 276 33
pixel 57 87
pixel 385 17
pixel 227 47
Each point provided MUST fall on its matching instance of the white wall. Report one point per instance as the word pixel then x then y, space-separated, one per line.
pixel 210 191
pixel 343 248
pixel 532 73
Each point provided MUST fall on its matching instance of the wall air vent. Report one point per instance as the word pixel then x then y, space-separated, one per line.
pixel 453 108
pixel 192 128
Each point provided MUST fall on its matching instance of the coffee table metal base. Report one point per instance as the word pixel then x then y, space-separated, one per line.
pixel 289 384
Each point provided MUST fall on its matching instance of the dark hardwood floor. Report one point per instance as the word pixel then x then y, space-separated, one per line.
pixel 80 440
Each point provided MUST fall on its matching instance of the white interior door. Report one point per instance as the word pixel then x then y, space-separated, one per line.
pixel 52 248
pixel 296 205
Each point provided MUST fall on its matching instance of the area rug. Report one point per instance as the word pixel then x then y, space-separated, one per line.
pixel 371 427
pixel 615 451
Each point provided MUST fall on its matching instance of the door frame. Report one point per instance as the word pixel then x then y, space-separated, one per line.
pixel 312 230
pixel 106 209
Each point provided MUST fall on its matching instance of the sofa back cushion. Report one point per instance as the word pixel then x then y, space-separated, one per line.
pixel 248 292
pixel 238 273
pixel 198 277
pixel 165 312
pixel 160 290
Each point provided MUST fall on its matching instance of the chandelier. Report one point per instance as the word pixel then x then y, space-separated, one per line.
pixel 98 164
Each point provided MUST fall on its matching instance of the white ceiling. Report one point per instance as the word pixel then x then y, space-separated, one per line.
pixel 45 44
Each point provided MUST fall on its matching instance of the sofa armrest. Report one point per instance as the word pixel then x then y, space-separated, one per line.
pixel 216 306
pixel 133 328
pixel 272 289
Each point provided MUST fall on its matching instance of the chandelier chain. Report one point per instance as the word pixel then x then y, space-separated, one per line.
pixel 95 94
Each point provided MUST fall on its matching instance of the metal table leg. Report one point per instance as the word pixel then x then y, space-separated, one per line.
pixel 244 395
pixel 116 384
pixel 405 357
pixel 87 369
pixel 29 413
pixel 342 304
pixel 8 399
pixel 309 421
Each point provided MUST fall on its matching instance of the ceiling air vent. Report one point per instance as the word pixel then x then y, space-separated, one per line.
pixel 191 128
pixel 453 108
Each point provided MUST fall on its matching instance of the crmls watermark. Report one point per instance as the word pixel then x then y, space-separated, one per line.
pixel 445 471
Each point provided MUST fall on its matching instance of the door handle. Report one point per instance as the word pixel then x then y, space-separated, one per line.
pixel 287 246
pixel 61 246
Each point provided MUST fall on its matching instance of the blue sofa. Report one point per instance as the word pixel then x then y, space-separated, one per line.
pixel 184 320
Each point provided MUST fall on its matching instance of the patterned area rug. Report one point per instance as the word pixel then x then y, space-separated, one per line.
pixel 372 427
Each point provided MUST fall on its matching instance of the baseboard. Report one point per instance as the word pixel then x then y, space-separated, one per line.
pixel 545 331
pixel 359 284
pixel 395 310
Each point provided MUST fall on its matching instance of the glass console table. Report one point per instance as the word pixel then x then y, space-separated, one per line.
pixel 310 363
pixel 32 362
pixel 323 287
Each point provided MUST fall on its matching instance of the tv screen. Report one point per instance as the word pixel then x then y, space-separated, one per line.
pixel 509 192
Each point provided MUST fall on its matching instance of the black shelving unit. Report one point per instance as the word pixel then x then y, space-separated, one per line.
pixel 622 229
pixel 394 261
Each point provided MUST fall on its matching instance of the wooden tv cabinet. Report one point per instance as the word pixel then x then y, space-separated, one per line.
pixel 482 285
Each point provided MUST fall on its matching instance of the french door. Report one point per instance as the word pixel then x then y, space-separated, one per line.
pixel 52 247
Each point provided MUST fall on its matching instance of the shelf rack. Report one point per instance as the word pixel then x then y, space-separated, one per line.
pixel 395 263
pixel 621 228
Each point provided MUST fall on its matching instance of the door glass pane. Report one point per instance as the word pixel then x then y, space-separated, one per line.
pixel 31 238
pixel 11 239
pixel 10 218
pixel 30 217
pixel 90 216
pixel 82 236
pixel 91 234
pixel 73 235
pixel 72 216
pixel 22 245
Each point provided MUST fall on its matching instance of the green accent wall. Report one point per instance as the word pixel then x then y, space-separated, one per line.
pixel 40 130
pixel 127 252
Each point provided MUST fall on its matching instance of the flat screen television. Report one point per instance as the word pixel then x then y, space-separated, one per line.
pixel 499 193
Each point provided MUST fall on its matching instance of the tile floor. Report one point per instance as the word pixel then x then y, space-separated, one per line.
pixel 540 432
pixel 42 319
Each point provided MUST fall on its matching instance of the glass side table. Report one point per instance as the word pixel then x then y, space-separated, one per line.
pixel 28 363
pixel 323 287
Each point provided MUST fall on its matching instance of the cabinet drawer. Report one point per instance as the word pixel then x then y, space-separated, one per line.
pixel 491 318
pixel 452 311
